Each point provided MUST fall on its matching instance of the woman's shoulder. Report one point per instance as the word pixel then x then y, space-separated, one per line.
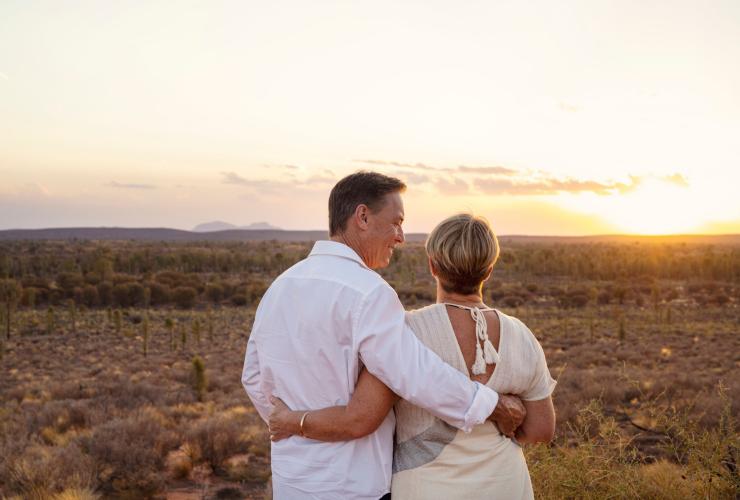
pixel 424 311
pixel 516 329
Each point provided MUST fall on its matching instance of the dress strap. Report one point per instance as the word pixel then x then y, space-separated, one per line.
pixel 485 353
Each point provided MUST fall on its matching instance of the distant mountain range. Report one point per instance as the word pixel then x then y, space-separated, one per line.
pixel 256 234
pixel 218 225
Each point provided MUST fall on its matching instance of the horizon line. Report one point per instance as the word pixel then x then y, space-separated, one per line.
pixel 508 235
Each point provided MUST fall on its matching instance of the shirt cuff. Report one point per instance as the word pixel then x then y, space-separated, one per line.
pixel 484 402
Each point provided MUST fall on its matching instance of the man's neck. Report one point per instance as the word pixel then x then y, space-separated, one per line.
pixel 351 241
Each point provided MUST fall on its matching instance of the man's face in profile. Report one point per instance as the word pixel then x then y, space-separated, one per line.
pixel 384 231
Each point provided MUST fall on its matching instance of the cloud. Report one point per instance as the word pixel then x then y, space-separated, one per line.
pixel 452 187
pixel 122 185
pixel 418 166
pixel 487 170
pixel 570 108
pixel 412 177
pixel 3 76
pixel 289 184
pixel 319 179
pixel 676 179
pixel 551 185
pixel 497 170
pixel 234 178
pixel 36 189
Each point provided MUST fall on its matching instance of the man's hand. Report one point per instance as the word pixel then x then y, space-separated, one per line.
pixel 508 414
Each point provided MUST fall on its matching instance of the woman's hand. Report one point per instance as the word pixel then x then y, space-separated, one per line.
pixel 282 421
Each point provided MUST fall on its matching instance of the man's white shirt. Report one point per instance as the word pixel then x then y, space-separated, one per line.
pixel 316 326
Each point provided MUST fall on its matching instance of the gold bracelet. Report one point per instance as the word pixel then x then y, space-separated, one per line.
pixel 303 419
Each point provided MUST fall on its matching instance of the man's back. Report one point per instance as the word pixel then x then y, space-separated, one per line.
pixel 307 354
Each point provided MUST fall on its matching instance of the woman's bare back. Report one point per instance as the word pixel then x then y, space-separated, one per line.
pixel 464 327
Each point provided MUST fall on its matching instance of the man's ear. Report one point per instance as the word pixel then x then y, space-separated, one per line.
pixel 361 216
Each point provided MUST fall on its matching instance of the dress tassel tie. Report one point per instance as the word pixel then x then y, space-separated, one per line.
pixel 485 353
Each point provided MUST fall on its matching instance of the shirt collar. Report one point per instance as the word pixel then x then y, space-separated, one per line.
pixel 327 247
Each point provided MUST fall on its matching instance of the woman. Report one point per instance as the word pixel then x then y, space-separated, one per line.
pixel 431 458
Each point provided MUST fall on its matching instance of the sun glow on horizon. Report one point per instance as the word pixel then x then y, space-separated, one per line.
pixel 654 207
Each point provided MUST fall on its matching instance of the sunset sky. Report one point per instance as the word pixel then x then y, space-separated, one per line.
pixel 562 118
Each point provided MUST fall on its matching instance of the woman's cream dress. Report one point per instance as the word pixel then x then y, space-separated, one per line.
pixel 433 460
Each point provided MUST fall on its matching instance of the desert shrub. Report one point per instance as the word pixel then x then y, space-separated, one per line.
pixel 105 293
pixel 218 438
pixel 131 452
pixel 199 378
pixel 136 294
pixel 159 294
pixel 126 394
pixel 719 298
pixel 255 291
pixel 38 471
pixel 90 296
pixel 121 295
pixel 214 292
pixel 184 297
pixel 29 297
pixel 512 300
pixel 228 288
pixel 604 297
pixel 574 298
pixel 170 278
pixel 239 299
pixel 68 281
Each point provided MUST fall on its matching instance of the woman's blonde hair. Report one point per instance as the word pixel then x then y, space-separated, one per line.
pixel 462 248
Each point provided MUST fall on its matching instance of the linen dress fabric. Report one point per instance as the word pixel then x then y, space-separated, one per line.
pixel 432 460
pixel 314 328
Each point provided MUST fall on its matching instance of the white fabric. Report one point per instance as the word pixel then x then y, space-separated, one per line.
pixel 485 353
pixel 482 464
pixel 314 327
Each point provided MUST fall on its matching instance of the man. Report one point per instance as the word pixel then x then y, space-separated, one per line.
pixel 326 317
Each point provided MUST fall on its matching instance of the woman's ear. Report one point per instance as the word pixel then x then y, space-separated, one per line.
pixel 431 266
pixel 488 273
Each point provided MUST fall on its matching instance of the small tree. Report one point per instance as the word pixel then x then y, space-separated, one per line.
pixel 118 319
pixel 210 325
pixel 591 328
pixel 10 292
pixel 73 315
pixel 200 382
pixel 196 330
pixel 145 333
pixel 183 336
pixel 170 325
pixel 50 321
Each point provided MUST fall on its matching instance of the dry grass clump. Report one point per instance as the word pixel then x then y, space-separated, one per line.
pixel 599 461
pixel 39 471
pixel 130 453
pixel 216 438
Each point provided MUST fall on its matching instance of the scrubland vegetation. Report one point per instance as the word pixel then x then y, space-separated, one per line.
pixel 120 365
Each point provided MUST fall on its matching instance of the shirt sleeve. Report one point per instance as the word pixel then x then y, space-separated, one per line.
pixel 391 352
pixel 541 384
pixel 251 379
